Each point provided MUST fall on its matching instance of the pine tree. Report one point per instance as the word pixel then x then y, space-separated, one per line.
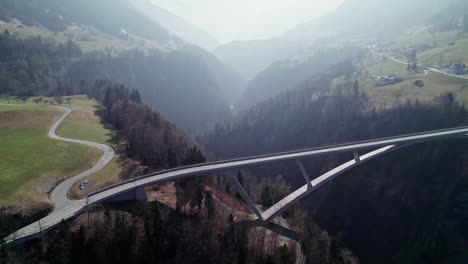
pixel 356 89
pixel 61 252
pixel 465 23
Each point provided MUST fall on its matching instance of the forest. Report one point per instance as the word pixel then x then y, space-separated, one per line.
pixel 408 207
pixel 150 138
pixel 34 66
pixel 44 67
pixel 413 198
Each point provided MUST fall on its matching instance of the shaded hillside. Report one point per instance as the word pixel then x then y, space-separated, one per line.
pixel 189 86
pixel 229 83
pixel 176 25
pixel 34 66
pixel 406 207
pixel 315 116
pixel 149 138
pixel 178 84
pixel 288 75
pixel 249 58
pixel 409 207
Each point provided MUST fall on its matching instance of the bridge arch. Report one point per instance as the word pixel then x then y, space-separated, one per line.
pixel 380 146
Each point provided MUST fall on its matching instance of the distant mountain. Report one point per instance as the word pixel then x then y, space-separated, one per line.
pixel 231 85
pixel 271 63
pixel 381 20
pixel 249 58
pixel 289 74
pixel 180 84
pixel 186 83
pixel 176 25
pixel 114 17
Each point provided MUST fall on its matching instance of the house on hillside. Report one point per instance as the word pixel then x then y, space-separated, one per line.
pixel 456 68
pixel 388 80
pixel 17 22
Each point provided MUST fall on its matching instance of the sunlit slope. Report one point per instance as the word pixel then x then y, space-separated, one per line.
pixel 435 84
pixel 434 48
pixel 84 123
pixel 31 163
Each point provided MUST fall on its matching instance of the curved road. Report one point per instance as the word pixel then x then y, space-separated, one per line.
pixel 425 71
pixel 75 207
pixel 59 194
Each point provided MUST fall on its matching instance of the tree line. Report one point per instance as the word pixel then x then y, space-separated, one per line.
pixel 35 66
pixel 395 209
pixel 150 138
pixel 44 67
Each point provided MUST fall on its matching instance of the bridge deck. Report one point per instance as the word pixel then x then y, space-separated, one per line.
pixel 77 206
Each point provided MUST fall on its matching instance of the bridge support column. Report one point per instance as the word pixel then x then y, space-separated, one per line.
pixel 140 194
pixel 137 194
pixel 304 173
pixel 357 158
pixel 232 178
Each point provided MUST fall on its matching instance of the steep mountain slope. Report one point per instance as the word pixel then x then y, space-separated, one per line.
pixel 114 17
pixel 176 25
pixel 289 74
pixel 179 84
pixel 372 20
pixel 249 58
pixel 169 76
pixel 406 207
pixel 229 83
pixel 381 19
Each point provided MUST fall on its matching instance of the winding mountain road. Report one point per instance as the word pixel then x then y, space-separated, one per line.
pixel 425 71
pixel 59 195
pixel 70 209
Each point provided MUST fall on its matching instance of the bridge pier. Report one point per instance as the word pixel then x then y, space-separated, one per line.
pixel 304 173
pixel 140 194
pixel 357 158
pixel 137 194
pixel 245 196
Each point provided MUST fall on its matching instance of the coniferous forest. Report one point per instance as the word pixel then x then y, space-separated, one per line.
pixel 268 78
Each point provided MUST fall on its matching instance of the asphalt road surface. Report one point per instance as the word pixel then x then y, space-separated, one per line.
pixel 427 68
pixel 69 209
pixel 59 195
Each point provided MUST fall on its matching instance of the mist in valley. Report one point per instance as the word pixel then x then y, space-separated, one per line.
pixel 98 96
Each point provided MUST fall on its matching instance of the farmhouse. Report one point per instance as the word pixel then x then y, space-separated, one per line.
pixel 456 68
pixel 388 80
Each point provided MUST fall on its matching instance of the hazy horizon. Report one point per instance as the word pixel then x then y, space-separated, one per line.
pixel 261 18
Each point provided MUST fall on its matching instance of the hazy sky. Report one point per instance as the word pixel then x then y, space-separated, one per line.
pixel 229 20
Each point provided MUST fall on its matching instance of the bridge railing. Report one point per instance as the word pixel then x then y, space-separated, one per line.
pixel 280 154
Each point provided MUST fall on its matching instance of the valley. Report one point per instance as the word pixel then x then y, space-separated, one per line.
pixel 142 131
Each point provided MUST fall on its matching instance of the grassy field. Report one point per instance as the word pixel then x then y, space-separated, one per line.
pixel 87 41
pixel 377 65
pixel 83 123
pixel 446 54
pixel 32 162
pixel 421 37
pixel 108 176
pixel 434 84
pixel 28 174
pixel 433 48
